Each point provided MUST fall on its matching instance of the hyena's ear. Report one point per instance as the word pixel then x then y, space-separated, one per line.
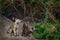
pixel 13 19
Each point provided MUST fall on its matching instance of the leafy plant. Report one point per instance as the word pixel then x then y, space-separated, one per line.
pixel 46 31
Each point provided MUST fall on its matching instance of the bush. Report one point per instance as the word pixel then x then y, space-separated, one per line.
pixel 46 31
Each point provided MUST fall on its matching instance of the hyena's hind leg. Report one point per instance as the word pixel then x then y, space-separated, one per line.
pixel 10 31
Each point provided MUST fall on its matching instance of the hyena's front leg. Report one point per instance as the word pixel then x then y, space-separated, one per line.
pixel 14 32
pixel 17 32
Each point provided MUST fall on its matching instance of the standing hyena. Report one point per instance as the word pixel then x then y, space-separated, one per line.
pixel 13 30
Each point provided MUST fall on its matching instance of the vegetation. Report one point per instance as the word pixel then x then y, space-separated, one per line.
pixel 47 31
pixel 46 12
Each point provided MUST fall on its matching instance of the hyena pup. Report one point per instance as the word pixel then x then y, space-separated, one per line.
pixel 26 30
pixel 13 29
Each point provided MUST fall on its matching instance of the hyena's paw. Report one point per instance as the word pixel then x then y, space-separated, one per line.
pixel 16 35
